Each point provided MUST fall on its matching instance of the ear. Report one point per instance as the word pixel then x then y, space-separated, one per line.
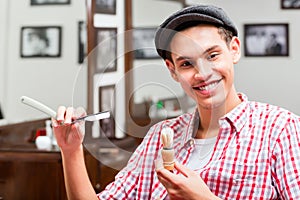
pixel 171 68
pixel 235 49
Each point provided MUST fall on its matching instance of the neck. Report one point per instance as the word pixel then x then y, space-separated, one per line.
pixel 209 118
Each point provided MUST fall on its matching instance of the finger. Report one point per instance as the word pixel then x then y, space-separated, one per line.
pixel 166 174
pixel 61 113
pixel 165 182
pixel 79 112
pixel 54 122
pixel 183 170
pixel 69 115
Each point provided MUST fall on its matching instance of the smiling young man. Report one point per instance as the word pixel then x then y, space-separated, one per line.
pixel 228 148
pixel 202 63
pixel 242 149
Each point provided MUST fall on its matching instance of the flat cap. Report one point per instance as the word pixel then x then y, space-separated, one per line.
pixel 187 17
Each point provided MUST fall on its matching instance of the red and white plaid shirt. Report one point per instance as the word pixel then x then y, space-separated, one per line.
pixel 256 156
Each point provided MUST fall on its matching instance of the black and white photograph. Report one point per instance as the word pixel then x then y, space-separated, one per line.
pixel 41 41
pixel 105 6
pixel 1 115
pixel 49 2
pixel 107 103
pixel 82 41
pixel 143 43
pixel 106 50
pixel 290 4
pixel 266 39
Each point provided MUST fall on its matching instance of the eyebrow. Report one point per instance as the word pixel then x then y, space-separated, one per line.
pixel 203 53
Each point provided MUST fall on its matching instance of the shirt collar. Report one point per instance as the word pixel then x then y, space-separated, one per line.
pixel 239 114
pixel 237 117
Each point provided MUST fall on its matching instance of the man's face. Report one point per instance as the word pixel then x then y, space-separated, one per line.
pixel 203 65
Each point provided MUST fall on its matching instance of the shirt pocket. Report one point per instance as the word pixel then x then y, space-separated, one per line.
pixel 231 173
pixel 246 179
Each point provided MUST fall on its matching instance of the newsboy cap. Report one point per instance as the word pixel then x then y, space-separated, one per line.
pixel 187 17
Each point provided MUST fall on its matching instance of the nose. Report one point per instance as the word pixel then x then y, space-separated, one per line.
pixel 204 70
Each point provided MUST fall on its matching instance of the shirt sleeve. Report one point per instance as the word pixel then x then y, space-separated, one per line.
pixel 130 180
pixel 286 161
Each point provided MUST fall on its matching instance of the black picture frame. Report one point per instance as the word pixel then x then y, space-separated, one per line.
pixel 105 6
pixel 82 41
pixel 1 115
pixel 261 40
pixel 49 2
pixel 107 101
pixel 40 41
pixel 143 43
pixel 290 4
pixel 106 50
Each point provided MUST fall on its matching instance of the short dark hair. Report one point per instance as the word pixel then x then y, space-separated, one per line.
pixel 188 17
pixel 225 34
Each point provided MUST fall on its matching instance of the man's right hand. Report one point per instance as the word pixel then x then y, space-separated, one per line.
pixel 69 136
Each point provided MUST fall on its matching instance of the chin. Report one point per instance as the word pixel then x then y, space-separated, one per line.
pixel 211 103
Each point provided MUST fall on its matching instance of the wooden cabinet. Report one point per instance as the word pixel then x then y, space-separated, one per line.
pixel 25 171
pixel 28 173
pixel 31 175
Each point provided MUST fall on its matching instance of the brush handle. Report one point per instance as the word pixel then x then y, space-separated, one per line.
pixel 168 158
pixel 38 105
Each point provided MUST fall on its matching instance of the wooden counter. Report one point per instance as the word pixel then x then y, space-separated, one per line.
pixel 29 173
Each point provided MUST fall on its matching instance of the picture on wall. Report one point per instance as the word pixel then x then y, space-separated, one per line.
pixel 49 2
pixel 106 6
pixel 290 4
pixel 40 41
pixel 106 50
pixel 82 41
pixel 143 43
pixel 1 115
pixel 266 39
pixel 107 101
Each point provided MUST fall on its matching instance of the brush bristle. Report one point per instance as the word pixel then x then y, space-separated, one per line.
pixel 167 135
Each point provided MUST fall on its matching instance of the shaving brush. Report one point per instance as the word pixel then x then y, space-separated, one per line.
pixel 167 152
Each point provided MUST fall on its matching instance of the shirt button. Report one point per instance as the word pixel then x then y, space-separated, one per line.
pixel 192 142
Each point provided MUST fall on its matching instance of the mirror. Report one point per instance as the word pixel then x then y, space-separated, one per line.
pixel 152 81
pixel 53 80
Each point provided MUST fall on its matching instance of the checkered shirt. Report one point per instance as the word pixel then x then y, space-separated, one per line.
pixel 256 156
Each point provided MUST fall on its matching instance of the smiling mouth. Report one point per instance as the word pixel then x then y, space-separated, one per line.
pixel 207 87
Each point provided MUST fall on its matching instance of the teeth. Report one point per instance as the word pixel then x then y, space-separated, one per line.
pixel 208 87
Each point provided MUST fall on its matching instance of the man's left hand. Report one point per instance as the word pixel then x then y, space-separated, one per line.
pixel 186 185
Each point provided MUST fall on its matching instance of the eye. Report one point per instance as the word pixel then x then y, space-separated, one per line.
pixel 186 64
pixel 212 56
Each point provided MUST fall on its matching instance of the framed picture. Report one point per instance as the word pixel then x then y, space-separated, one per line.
pixel 41 41
pixel 49 2
pixel 1 115
pixel 143 43
pixel 107 102
pixel 106 50
pixel 105 6
pixel 290 4
pixel 82 41
pixel 266 39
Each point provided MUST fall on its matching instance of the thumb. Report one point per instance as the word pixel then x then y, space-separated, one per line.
pixel 79 112
pixel 183 170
